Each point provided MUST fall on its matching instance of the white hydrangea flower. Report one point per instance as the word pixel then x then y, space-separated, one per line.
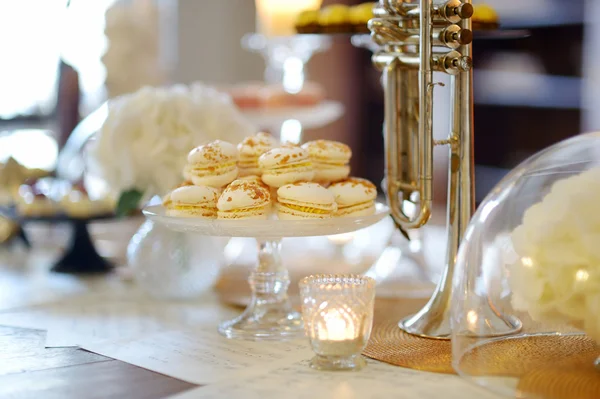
pixel 557 277
pixel 145 140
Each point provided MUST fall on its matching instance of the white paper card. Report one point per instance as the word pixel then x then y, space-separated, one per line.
pixel 70 324
pixel 376 381
pixel 203 356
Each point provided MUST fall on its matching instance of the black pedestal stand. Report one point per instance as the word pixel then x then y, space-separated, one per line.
pixel 81 256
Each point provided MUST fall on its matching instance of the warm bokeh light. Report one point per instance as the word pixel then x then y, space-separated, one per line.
pixel 277 17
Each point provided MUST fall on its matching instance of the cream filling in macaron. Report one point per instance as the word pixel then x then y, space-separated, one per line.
pixel 294 167
pixel 289 207
pixel 287 211
pixel 331 165
pixel 258 212
pixel 202 170
pixel 248 163
pixel 307 207
pixel 362 209
pixel 249 167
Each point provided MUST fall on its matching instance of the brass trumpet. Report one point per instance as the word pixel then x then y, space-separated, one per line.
pixel 416 39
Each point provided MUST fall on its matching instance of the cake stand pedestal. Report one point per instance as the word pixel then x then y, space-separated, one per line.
pixel 270 315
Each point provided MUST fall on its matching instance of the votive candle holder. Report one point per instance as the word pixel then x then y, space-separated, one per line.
pixel 337 310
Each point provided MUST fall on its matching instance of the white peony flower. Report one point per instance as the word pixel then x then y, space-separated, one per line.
pixel 145 140
pixel 557 277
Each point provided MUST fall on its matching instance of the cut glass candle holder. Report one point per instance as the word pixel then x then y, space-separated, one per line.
pixel 338 316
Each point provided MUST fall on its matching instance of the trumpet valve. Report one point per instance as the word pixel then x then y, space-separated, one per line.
pixel 452 63
pixel 455 10
pixel 454 36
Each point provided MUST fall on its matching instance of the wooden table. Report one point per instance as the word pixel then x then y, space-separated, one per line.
pixel 29 370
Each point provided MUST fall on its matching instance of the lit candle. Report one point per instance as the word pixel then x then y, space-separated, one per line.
pixel 338 314
pixel 335 328
pixel 278 17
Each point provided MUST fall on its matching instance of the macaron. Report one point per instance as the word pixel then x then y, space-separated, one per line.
pixel 194 201
pixel 250 149
pixel 244 199
pixel 330 160
pixel 213 164
pixel 166 200
pixel 281 166
pixel 305 201
pixel 187 172
pixel 354 197
pixel 258 180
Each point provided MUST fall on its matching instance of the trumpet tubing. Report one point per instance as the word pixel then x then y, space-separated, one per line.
pixel 407 32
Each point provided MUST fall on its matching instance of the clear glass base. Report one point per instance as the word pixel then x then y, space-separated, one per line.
pixel 265 322
pixel 270 315
pixel 338 363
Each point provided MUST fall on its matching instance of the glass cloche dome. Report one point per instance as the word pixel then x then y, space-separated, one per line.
pixel 526 306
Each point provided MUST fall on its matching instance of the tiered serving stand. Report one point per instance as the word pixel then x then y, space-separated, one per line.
pixel 270 315
pixel 286 58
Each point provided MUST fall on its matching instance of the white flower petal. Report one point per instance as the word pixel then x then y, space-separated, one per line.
pixel 147 134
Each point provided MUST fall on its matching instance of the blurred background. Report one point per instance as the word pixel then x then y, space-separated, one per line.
pixel 529 92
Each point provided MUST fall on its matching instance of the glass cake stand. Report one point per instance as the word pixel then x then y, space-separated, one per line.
pixel 270 315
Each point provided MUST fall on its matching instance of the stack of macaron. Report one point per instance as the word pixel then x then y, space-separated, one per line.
pixel 250 149
pixel 336 18
pixel 331 160
pixel 261 177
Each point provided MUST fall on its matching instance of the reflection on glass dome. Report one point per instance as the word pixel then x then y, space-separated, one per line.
pixel 526 308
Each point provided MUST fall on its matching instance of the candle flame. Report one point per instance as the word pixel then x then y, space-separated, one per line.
pixel 336 327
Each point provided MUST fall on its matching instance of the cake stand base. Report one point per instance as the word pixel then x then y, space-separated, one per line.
pixel 265 322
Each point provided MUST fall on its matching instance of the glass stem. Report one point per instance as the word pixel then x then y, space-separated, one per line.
pixel 270 315
pixel 270 281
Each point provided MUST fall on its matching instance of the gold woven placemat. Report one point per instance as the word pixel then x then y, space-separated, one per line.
pixel 391 345
pixel 580 380
pixel 545 366
pixel 518 356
